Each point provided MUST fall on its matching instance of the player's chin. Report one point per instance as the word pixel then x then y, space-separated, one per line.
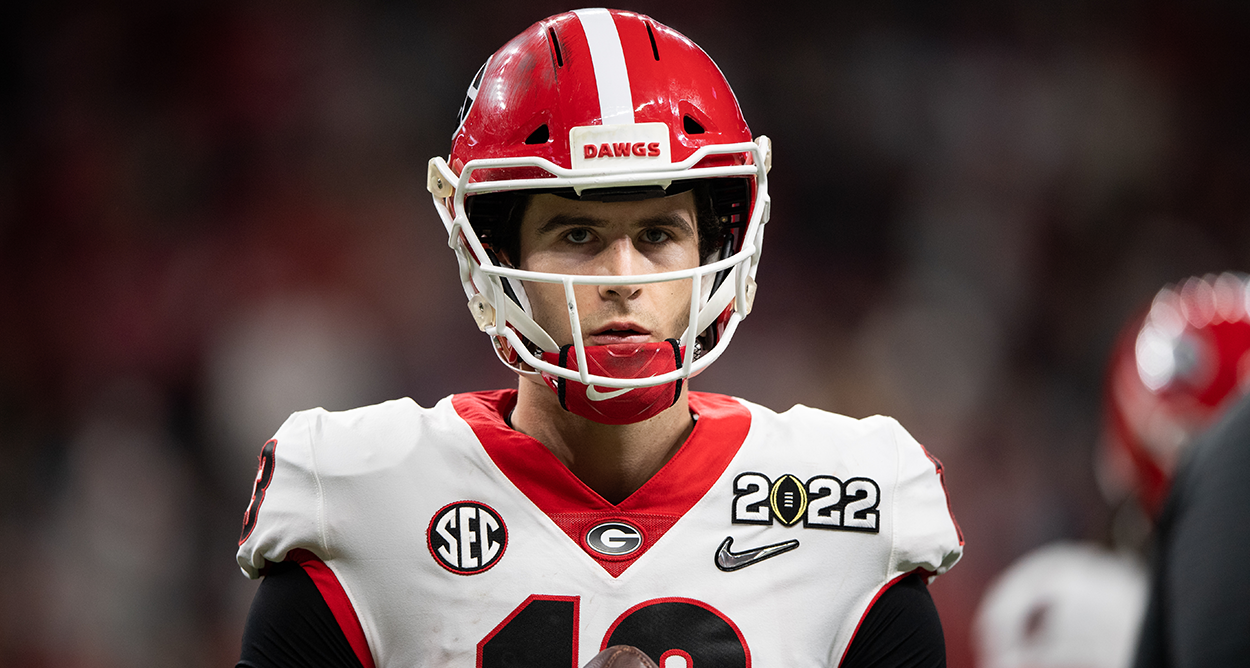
pixel 621 656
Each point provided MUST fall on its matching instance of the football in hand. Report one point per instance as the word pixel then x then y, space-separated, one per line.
pixel 621 656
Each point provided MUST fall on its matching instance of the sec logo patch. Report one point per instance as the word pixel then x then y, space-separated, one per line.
pixel 467 537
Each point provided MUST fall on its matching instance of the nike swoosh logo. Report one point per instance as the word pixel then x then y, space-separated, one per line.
pixel 595 395
pixel 732 561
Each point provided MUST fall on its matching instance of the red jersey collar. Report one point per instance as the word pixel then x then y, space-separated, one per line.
pixel 718 433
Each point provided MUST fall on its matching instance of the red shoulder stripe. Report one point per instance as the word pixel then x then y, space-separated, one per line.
pixel 335 597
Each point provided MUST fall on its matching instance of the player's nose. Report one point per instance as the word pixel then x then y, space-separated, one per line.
pixel 621 258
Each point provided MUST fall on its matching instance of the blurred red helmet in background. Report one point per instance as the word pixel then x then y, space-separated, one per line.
pixel 1174 370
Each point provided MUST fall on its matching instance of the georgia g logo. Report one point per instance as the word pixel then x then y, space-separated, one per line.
pixel 467 537
pixel 614 539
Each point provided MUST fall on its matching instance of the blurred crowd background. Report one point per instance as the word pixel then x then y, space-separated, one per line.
pixel 214 213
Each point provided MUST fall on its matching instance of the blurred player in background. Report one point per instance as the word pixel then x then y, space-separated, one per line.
pixel 1175 370
pixel 1197 614
pixel 606 203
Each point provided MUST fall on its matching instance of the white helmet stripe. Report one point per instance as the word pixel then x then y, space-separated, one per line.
pixel 616 102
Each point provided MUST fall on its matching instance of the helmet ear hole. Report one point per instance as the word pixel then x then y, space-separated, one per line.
pixel 692 126
pixel 540 136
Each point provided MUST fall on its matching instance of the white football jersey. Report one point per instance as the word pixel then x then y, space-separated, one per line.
pixel 457 541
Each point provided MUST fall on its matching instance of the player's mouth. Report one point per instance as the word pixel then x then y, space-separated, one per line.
pixel 619 332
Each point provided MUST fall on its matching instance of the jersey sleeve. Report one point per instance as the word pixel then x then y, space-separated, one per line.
pixel 286 510
pixel 926 535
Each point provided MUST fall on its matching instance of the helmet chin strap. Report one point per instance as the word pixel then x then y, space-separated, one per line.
pixel 623 405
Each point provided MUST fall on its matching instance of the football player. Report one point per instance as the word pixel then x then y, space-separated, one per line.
pixel 1176 369
pixel 606 204
pixel 1193 459
pixel 1197 614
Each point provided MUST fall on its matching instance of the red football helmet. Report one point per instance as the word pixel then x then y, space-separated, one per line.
pixel 1174 370
pixel 602 104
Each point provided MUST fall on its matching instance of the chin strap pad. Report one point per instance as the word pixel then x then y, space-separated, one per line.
pixel 611 405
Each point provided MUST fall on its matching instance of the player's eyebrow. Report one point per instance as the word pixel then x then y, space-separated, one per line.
pixel 561 221
pixel 671 219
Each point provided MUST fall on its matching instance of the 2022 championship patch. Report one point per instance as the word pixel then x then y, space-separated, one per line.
pixel 823 502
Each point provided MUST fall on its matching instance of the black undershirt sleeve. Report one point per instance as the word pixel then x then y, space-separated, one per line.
pixel 902 629
pixel 290 625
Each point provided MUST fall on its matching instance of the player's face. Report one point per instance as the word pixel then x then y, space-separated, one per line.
pixel 611 239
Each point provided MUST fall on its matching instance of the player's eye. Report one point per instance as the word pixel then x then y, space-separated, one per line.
pixel 655 236
pixel 577 235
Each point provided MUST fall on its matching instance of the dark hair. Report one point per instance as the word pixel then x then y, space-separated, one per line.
pixel 719 210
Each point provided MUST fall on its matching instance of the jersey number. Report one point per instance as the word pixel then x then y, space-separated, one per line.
pixel 264 475
pixel 542 631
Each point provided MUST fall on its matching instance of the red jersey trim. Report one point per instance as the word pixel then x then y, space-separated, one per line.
pixel 335 597
pixel 719 432
pixel 575 600
pixel 941 473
